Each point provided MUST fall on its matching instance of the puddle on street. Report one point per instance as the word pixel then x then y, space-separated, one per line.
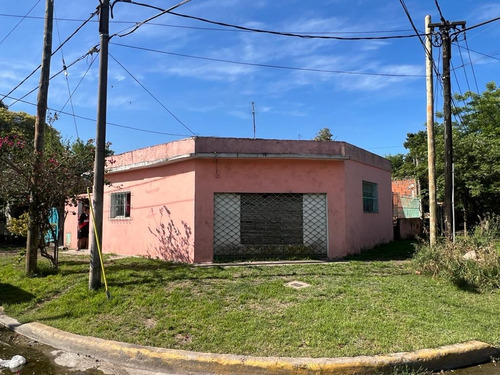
pixel 41 361
pixel 38 357
pixel 486 369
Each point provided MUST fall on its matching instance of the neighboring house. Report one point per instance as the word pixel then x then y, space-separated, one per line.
pixel 199 198
pixel 407 208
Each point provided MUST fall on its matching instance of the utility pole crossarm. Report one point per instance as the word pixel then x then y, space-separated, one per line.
pixel 451 25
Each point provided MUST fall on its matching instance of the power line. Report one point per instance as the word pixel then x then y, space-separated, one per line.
pixel 427 52
pixel 215 28
pixel 456 78
pixel 269 65
pixel 153 96
pixel 465 70
pixel 108 123
pixel 296 35
pixel 439 10
pixel 163 11
pixel 90 52
pixel 21 20
pixel 67 80
pixel 485 56
pixel 53 53
pixel 472 65
pixel 475 26
pixel 76 88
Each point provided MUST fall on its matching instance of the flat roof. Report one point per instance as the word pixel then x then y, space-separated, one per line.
pixel 238 148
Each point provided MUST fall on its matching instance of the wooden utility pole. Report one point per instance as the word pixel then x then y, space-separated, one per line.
pixel 98 189
pixel 448 133
pixel 431 155
pixel 445 27
pixel 33 240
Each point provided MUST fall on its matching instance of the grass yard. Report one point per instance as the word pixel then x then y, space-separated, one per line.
pixel 372 304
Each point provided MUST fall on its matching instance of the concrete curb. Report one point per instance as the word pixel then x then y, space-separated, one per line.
pixel 180 361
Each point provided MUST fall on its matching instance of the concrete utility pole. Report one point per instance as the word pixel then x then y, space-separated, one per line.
pixel 431 154
pixel 98 189
pixel 41 113
pixel 445 27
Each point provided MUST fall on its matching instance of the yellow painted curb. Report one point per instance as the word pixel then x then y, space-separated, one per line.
pixel 144 357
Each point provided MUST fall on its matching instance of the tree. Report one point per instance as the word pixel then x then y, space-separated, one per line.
pixel 65 170
pixel 324 135
pixel 476 144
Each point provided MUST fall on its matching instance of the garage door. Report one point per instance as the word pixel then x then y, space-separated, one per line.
pixel 270 224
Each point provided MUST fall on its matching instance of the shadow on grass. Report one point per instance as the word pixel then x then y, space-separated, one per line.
pixel 55 317
pixel 465 285
pixel 10 294
pixel 73 267
pixel 146 265
pixel 130 271
pixel 397 250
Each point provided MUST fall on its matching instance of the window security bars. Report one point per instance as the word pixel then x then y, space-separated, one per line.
pixel 270 225
pixel 120 205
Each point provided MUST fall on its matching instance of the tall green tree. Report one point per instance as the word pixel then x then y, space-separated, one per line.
pixel 476 147
pixel 66 169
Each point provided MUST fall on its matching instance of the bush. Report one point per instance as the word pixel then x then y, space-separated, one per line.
pixel 19 227
pixel 472 262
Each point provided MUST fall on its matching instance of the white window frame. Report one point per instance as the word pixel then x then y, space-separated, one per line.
pixel 120 210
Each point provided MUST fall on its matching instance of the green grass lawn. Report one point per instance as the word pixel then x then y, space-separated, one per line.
pixel 373 304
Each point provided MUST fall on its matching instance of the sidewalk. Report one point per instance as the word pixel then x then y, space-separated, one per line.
pixel 184 362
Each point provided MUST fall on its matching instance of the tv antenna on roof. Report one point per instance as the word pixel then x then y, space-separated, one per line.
pixel 253 117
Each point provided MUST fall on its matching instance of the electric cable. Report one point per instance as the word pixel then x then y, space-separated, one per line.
pixel 107 122
pixel 76 88
pixel 215 28
pixel 427 52
pixel 91 51
pixel 268 65
pixel 296 35
pixel 456 78
pixel 67 79
pixel 153 96
pixel 471 64
pixel 465 70
pixel 484 55
pixel 163 11
pixel 439 11
pixel 17 24
pixel 53 53
pixel 475 26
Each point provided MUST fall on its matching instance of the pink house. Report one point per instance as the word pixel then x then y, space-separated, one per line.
pixel 202 198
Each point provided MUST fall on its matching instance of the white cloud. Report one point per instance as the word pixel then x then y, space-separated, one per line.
pixel 376 83
pixel 486 12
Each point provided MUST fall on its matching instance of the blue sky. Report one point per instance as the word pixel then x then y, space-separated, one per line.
pixel 167 80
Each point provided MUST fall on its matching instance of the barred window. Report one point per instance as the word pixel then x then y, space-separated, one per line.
pixel 120 205
pixel 370 197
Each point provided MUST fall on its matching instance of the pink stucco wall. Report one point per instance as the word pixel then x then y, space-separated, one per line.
pixel 150 230
pixel 153 192
pixel 266 176
pixel 184 175
pixel 365 230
